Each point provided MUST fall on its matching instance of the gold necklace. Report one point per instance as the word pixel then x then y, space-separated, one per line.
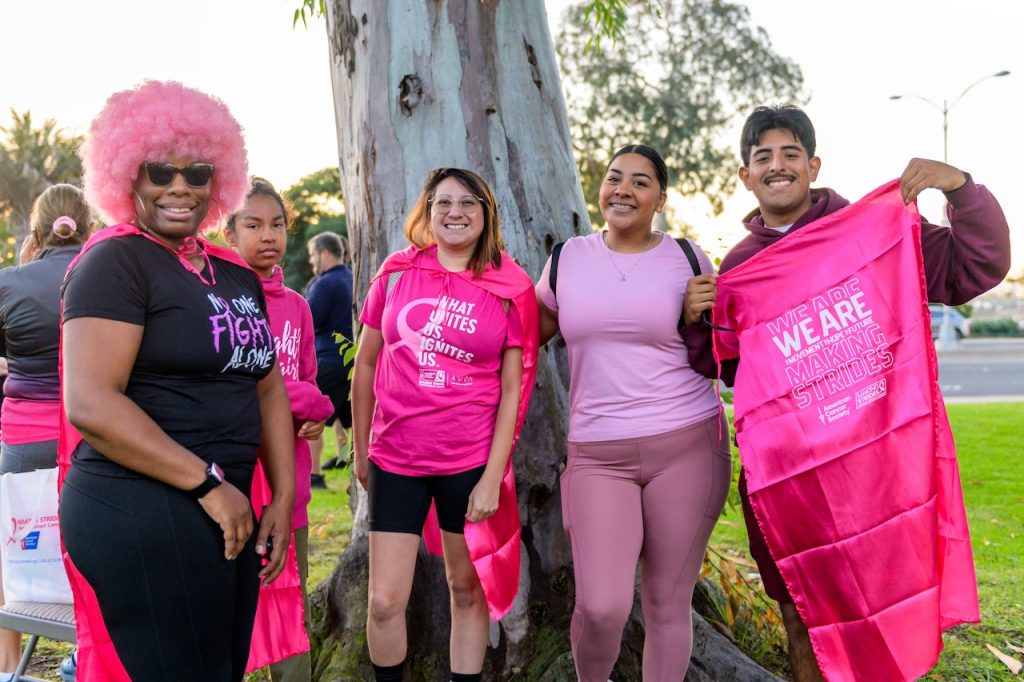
pixel 622 275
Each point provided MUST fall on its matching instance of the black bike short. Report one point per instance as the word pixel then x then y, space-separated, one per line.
pixel 400 503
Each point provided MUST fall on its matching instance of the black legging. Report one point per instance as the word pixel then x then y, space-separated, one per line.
pixel 175 608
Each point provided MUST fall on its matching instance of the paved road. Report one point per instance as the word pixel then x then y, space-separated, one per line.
pixel 983 368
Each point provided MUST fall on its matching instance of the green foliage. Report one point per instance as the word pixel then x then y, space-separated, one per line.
pixel 8 256
pixel 675 79
pixel 1003 326
pixel 316 207
pixel 744 613
pixel 31 159
pixel 309 9
pixel 347 350
pixel 609 16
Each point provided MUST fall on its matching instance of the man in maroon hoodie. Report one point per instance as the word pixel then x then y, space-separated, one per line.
pixel 961 261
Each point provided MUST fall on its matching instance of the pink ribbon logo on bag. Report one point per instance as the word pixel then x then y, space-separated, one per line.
pixel 16 525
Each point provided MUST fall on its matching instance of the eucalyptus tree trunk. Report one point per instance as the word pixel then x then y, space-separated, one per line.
pixel 420 84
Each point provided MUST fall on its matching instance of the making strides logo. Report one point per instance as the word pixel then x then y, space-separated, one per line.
pixel 429 341
pixel 830 346
pixel 241 326
pixel 29 540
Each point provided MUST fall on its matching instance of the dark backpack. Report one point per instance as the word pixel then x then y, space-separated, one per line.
pixel 683 243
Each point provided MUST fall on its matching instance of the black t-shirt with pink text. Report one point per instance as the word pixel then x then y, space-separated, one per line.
pixel 203 347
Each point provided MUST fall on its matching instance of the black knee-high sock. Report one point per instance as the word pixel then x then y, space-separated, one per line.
pixel 388 673
pixel 466 677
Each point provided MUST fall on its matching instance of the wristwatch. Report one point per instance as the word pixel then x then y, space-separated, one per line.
pixel 214 477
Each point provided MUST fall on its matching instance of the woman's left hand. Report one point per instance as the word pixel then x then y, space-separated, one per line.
pixel 275 524
pixel 311 430
pixel 699 297
pixel 483 501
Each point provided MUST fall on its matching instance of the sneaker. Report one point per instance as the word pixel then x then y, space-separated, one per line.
pixel 69 667
pixel 317 481
pixel 337 462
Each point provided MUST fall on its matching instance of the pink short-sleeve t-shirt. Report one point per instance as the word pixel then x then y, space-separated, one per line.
pixel 438 378
pixel 628 367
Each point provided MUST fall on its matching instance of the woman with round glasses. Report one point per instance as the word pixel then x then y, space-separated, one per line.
pixel 170 377
pixel 445 366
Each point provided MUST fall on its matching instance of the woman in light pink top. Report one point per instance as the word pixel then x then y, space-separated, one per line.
pixel 649 459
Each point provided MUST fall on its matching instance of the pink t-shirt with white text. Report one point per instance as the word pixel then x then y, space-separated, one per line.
pixel 628 367
pixel 438 378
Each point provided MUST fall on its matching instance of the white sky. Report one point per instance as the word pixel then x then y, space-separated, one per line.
pixel 62 58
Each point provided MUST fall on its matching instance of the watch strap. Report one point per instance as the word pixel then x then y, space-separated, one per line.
pixel 214 477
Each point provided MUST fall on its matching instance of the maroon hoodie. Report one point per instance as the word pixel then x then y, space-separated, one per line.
pixel 960 262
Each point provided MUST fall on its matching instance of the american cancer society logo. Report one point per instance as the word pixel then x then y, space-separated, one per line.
pixel 30 541
pixel 432 378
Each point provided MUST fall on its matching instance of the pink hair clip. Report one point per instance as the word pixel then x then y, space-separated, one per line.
pixel 65 222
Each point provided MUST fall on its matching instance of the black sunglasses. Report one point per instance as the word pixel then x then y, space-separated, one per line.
pixel 195 174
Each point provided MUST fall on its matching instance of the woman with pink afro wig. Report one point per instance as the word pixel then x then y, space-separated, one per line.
pixel 172 385
pixel 154 120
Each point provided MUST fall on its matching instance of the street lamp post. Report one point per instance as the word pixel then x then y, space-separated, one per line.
pixel 947 336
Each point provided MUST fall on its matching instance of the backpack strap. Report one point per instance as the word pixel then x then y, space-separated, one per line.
pixel 553 272
pixel 684 244
pixel 392 281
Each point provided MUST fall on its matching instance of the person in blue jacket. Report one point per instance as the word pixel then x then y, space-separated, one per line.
pixel 330 300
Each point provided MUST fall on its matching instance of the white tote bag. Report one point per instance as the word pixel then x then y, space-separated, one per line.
pixel 33 565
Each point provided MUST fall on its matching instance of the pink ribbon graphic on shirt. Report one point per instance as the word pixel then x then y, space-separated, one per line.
pixel 407 335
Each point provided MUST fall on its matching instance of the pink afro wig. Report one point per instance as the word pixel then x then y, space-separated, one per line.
pixel 150 122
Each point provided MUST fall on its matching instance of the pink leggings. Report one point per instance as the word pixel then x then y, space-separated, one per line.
pixel 655 499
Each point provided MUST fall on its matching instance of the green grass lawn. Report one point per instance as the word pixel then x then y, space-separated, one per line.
pixel 988 438
pixel 329 519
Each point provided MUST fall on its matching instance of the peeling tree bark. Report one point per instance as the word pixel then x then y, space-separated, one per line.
pixel 420 84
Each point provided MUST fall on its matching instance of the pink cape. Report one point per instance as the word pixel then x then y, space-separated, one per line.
pixel 279 631
pixel 97 659
pixel 846 446
pixel 493 543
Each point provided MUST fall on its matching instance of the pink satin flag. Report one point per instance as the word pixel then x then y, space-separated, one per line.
pixel 848 453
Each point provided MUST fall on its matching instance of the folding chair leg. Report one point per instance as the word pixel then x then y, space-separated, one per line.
pixel 26 656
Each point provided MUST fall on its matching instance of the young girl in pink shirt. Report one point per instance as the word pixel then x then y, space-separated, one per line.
pixel 442 376
pixel 258 231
